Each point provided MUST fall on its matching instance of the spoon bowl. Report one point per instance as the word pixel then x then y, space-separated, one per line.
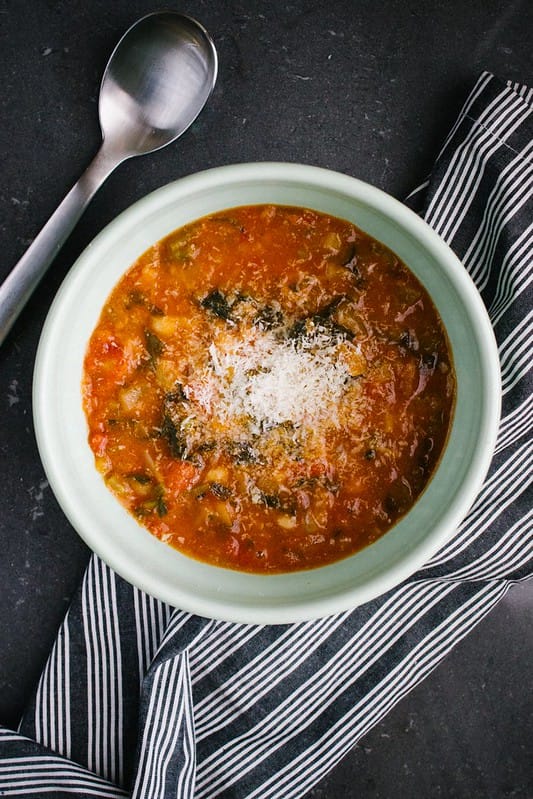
pixel 156 82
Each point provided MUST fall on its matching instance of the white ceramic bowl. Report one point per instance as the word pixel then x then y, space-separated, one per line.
pixel 127 547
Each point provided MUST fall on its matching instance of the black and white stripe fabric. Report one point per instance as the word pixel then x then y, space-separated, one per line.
pixel 139 699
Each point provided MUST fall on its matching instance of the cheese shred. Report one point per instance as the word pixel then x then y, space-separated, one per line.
pixel 261 381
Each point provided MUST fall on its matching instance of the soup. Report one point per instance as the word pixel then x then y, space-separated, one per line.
pixel 268 389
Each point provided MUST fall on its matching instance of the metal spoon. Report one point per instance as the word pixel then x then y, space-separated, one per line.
pixel 156 82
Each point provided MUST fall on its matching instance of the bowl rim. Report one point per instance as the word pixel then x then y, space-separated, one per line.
pixel 378 584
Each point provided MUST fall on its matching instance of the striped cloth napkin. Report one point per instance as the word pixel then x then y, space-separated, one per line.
pixel 140 699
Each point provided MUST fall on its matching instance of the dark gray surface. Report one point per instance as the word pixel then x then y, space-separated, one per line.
pixel 366 88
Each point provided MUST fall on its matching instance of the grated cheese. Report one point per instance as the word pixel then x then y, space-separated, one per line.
pixel 259 381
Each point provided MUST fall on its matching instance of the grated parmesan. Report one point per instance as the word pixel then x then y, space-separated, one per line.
pixel 259 381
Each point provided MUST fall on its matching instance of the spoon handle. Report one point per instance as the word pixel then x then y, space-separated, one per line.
pixel 17 288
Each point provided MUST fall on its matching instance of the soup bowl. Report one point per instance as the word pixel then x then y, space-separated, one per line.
pixel 153 566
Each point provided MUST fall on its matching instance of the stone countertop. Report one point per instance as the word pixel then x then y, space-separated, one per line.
pixel 370 89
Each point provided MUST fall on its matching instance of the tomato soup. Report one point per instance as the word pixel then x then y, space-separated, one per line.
pixel 268 389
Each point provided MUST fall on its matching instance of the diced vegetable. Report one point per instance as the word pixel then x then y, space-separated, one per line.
pixel 172 435
pixel 154 346
pixel 332 241
pixel 130 398
pixel 286 522
pixel 217 303
pixel 220 491
pixel 165 326
pixel 218 474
